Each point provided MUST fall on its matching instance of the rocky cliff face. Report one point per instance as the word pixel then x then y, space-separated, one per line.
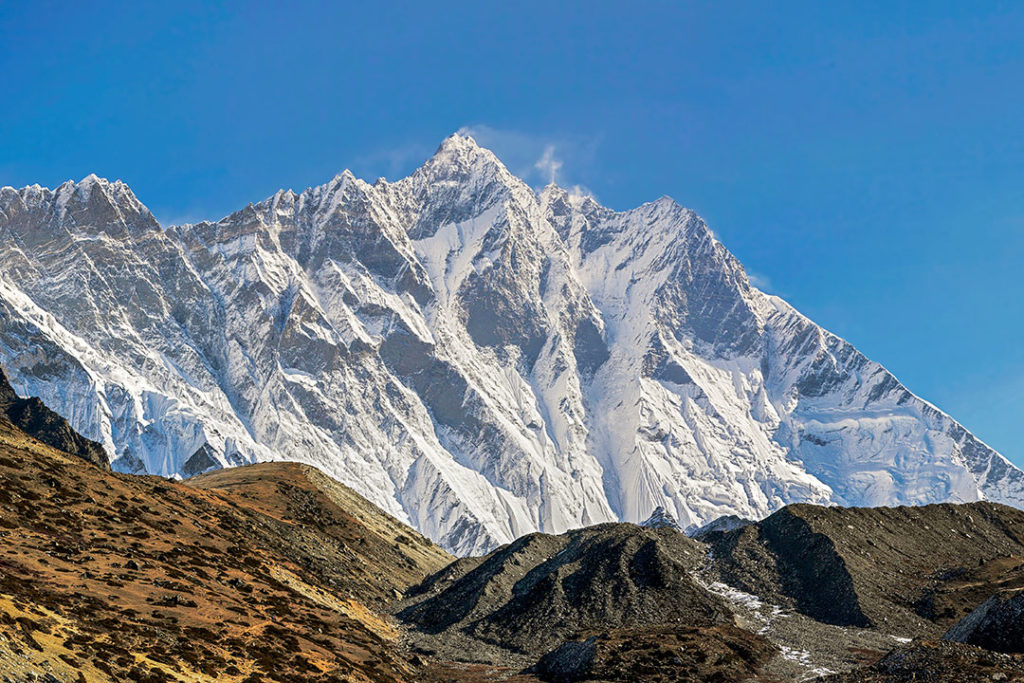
pixel 31 416
pixel 479 359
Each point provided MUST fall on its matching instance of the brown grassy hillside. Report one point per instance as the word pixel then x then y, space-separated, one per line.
pixel 238 577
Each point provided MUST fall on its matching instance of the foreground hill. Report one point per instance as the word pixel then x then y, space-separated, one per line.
pixel 527 597
pixel 276 572
pixel 907 570
pixel 479 359
pixel 362 551
pixel 108 577
pixel 809 591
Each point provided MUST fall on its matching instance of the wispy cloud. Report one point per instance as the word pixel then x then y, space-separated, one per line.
pixel 541 159
pixel 761 281
pixel 548 164
pixel 537 159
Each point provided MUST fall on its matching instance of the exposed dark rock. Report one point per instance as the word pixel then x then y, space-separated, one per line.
pixel 589 348
pixel 31 416
pixel 529 596
pixel 201 461
pixel 997 624
pixel 571 661
pixel 907 570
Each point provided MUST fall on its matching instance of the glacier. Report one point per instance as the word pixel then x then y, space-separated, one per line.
pixel 479 358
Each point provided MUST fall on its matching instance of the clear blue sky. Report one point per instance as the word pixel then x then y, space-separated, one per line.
pixel 864 160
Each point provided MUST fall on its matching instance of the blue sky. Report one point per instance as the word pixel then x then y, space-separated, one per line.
pixel 863 160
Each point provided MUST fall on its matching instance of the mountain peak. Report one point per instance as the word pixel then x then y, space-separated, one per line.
pixel 461 150
pixel 660 519
pixel 97 201
pixel 90 205
pixel 461 173
pixel 116 191
pixel 665 200
pixel 93 181
pixel 459 139
pixel 344 177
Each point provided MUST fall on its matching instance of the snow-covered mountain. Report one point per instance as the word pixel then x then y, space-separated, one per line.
pixel 478 359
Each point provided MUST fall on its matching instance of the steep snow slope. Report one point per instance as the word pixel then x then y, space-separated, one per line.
pixel 480 360
pixel 731 395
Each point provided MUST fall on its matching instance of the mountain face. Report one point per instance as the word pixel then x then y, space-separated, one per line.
pixel 479 359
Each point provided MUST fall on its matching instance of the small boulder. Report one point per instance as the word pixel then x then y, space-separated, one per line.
pixel 568 663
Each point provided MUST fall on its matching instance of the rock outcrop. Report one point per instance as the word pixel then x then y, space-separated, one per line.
pixel 997 624
pixel 31 416
pixel 908 570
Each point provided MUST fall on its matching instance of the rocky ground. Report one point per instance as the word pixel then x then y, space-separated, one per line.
pixel 904 570
pixel 662 655
pixel 533 594
pixel 937 662
pixel 825 591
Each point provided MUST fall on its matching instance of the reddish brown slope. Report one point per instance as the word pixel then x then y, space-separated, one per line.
pixel 114 577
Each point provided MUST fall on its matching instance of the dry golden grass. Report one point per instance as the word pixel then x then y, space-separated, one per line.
pixel 139 578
